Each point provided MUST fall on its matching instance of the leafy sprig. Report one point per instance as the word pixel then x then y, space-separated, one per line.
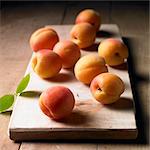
pixel 7 101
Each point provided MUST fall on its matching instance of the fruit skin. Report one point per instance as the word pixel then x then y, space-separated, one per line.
pixel 57 102
pixel 113 51
pixel 46 63
pixel 83 34
pixel 90 16
pixel 69 53
pixel 43 38
pixel 107 88
pixel 89 66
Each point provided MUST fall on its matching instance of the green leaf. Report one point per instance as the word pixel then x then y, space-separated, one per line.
pixel 23 84
pixel 6 102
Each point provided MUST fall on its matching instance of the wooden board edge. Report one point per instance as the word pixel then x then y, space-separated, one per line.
pixel 116 134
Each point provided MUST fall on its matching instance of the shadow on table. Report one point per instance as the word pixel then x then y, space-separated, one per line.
pixel 135 78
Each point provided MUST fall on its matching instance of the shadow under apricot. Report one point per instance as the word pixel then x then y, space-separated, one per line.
pixel 122 104
pixel 104 34
pixel 69 69
pixel 123 66
pixel 61 77
pixel 82 113
pixel 93 47
pixel 76 118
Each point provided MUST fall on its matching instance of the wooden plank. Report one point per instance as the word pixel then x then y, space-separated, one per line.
pixel 5 142
pixel 17 23
pixel 117 146
pixel 58 146
pixel 91 120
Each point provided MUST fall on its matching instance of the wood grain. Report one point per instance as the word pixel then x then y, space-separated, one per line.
pixel 122 146
pixel 123 14
pixel 58 146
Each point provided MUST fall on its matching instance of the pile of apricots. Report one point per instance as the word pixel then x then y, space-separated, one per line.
pixel 51 55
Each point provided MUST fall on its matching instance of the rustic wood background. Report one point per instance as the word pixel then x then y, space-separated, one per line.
pixel 19 20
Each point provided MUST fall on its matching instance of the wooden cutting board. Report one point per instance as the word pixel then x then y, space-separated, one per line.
pixel 90 119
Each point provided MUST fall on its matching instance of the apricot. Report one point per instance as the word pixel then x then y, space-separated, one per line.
pixel 46 63
pixel 113 51
pixel 89 66
pixel 43 38
pixel 57 102
pixel 69 53
pixel 91 16
pixel 107 88
pixel 83 34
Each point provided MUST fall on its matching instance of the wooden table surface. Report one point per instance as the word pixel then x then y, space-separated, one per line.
pixel 19 21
